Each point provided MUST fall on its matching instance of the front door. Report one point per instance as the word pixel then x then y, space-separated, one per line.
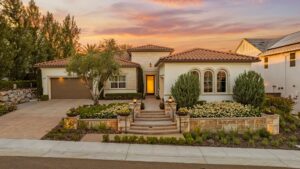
pixel 150 84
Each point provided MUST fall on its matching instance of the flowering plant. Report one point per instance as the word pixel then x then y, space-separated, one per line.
pixel 183 111
pixel 121 110
pixel 224 109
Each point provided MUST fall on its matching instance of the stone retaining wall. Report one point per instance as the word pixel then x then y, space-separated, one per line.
pixel 17 96
pixel 110 123
pixel 240 124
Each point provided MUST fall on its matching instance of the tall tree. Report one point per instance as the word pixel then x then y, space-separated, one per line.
pixel 21 40
pixel 70 37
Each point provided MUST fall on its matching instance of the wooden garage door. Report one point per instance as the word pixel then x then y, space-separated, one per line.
pixel 68 88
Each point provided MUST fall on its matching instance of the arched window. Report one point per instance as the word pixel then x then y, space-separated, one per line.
pixel 208 82
pixel 221 81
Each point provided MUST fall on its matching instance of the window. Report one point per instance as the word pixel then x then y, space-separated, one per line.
pixel 292 59
pixel 208 82
pixel 266 62
pixel 118 82
pixel 221 81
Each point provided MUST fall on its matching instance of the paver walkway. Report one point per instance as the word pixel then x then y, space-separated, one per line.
pixel 34 119
pixel 150 153
pixel 151 103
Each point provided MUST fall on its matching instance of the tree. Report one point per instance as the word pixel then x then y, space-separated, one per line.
pixel 95 67
pixel 69 37
pixel 186 90
pixel 6 54
pixel 249 89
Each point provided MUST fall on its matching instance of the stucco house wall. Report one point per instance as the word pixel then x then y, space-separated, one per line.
pixel 131 82
pixel 172 71
pixel 48 73
pixel 279 77
pixel 147 61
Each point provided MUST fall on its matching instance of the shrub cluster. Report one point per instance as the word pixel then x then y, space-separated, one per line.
pixel 186 90
pixel 249 89
pixel 223 109
pixel 21 84
pixel 283 107
pixel 102 111
pixel 6 108
pixel 260 138
pixel 123 96
pixel 44 98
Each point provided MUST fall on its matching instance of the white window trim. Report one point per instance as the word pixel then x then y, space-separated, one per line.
pixel 118 82
pixel 213 82
pixel 226 74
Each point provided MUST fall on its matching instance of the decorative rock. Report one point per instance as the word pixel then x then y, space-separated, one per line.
pixel 17 96
pixel 4 98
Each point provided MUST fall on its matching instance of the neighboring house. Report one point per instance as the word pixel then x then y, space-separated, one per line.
pixel 216 70
pixel 280 63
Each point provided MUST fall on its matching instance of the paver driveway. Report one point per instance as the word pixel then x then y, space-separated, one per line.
pixel 33 120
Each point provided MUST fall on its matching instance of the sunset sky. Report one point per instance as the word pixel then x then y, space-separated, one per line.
pixel 181 24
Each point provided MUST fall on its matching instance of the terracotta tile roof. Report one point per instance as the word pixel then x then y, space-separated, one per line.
pixel 64 62
pixel 206 55
pixel 150 48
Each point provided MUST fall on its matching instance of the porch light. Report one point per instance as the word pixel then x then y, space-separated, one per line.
pixel 170 100
pixel 134 101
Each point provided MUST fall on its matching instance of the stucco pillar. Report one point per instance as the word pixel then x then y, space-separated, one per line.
pixel 183 122
pixel 124 123
pixel 170 109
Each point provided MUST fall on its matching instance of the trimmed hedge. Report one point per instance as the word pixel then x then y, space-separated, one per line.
pixel 123 96
pixel 21 84
pixel 4 109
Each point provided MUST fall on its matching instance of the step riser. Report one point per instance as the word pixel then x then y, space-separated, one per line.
pixel 152 119
pixel 153 128
pixel 153 116
pixel 153 125
pixel 151 132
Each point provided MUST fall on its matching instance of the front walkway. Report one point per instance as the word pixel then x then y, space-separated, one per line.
pixel 150 153
pixel 151 103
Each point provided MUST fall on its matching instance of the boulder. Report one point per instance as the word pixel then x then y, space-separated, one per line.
pixel 4 98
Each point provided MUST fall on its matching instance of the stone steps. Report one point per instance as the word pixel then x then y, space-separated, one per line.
pixel 153 122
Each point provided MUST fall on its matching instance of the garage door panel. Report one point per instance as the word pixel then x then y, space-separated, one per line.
pixel 69 88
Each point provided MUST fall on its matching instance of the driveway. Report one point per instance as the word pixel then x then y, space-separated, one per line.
pixel 34 119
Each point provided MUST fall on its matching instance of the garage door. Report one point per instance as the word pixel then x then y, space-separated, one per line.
pixel 68 88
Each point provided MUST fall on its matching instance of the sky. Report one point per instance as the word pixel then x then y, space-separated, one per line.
pixel 180 24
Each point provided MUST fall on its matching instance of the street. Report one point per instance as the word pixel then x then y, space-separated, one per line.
pixel 59 163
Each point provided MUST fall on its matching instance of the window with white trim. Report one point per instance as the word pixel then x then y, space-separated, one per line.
pixel 221 81
pixel 208 82
pixel 118 82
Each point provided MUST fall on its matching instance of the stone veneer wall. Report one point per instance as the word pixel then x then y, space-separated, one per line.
pixel 110 123
pixel 17 96
pixel 241 124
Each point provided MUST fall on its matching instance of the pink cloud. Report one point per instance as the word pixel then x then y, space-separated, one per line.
pixel 178 2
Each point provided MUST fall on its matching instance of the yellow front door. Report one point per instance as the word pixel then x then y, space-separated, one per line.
pixel 150 84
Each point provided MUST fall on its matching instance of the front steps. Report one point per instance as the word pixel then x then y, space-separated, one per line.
pixel 153 122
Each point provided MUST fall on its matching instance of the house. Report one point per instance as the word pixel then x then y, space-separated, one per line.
pixel 160 68
pixel 279 65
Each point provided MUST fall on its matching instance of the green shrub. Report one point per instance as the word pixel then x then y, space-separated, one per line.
pixel 283 104
pixel 249 89
pixel 223 109
pixel 236 141
pixel 251 143
pixel 123 96
pixel 141 140
pixel 117 138
pixel 44 98
pixel 265 142
pixel 293 138
pixel 275 143
pixel 199 140
pixel 264 133
pixel 101 111
pixel 105 138
pixel 124 139
pixel 186 90
pixel 181 141
pixel 152 140
pixel 6 108
pixel 224 141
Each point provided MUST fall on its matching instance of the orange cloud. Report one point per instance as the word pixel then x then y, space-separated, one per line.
pixel 178 2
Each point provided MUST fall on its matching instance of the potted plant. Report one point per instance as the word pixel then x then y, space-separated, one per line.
pixel 182 111
pixel 122 110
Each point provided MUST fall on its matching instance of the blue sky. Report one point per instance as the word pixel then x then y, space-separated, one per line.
pixel 182 24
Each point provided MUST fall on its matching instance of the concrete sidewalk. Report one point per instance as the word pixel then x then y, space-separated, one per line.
pixel 154 153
